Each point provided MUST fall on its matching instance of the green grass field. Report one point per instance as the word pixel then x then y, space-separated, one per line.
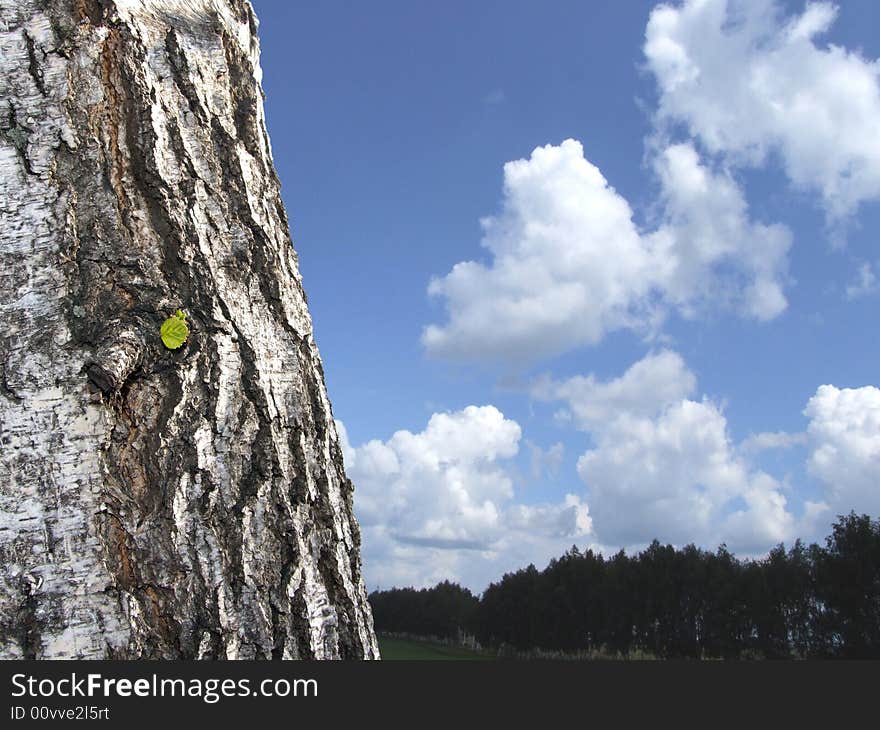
pixel 392 649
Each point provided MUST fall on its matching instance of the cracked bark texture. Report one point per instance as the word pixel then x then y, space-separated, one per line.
pixel 156 503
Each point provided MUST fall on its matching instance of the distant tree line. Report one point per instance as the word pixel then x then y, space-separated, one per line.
pixel 807 601
pixel 445 611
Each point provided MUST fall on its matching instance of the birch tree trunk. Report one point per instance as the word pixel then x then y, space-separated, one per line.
pixel 158 503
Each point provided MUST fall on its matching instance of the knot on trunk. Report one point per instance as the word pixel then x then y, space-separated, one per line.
pixel 117 358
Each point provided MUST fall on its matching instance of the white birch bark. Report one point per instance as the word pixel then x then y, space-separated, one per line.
pixel 156 503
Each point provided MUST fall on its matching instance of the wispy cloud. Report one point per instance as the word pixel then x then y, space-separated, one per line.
pixel 771 440
pixel 864 284
pixel 496 96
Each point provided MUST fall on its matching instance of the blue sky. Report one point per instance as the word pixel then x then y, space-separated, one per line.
pixel 678 250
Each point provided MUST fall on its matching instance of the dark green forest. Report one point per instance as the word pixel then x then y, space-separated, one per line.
pixel 803 602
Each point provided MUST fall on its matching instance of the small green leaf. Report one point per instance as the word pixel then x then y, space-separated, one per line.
pixel 174 330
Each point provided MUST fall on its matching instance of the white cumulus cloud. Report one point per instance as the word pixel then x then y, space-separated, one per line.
pixel 663 465
pixel 748 82
pixel 568 263
pixel 643 390
pixel 707 227
pixel 844 432
pixel 440 503
pixel 677 477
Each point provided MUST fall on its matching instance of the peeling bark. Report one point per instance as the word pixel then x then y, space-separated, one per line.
pixel 155 503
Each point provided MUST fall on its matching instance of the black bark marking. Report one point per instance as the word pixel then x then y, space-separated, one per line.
pixel 34 68
pixel 18 135
pixel 179 68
